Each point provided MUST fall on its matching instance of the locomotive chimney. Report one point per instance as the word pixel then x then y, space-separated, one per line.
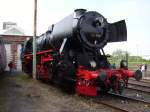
pixel 79 12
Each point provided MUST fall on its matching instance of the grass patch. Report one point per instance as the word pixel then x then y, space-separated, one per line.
pixel 23 77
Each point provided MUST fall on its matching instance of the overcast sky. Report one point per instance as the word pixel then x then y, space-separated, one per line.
pixel 135 12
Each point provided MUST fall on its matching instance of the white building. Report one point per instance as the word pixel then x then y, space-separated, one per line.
pixel 11 28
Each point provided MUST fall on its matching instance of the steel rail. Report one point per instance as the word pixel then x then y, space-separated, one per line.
pixel 129 98
pixel 142 81
pixel 140 90
pixel 111 106
pixel 139 87
pixel 130 83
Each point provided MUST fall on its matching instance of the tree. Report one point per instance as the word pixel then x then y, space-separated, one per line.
pixel 120 54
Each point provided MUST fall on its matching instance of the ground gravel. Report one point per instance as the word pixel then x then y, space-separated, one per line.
pixel 19 93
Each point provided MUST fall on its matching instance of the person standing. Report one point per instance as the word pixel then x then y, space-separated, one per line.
pixel 143 70
pixel 10 65
pixel 145 67
pixel 113 66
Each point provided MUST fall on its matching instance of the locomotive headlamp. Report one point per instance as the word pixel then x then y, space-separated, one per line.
pixel 123 64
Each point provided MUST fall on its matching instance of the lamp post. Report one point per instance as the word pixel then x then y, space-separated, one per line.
pixel 34 39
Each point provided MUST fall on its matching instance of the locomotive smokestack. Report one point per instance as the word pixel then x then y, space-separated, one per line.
pixel 79 12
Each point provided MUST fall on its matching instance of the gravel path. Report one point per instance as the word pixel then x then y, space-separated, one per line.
pixel 18 93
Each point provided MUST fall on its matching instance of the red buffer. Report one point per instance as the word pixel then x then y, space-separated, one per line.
pixel 116 79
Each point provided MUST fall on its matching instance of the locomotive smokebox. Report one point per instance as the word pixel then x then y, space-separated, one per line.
pixel 90 28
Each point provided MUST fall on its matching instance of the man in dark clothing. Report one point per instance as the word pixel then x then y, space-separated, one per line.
pixel 10 65
pixel 145 67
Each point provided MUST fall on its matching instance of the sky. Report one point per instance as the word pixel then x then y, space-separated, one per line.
pixel 135 12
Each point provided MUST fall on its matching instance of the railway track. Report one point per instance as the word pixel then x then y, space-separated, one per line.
pixel 140 84
pixel 134 93
pixel 129 98
pixel 138 87
pixel 124 103
pixel 111 106
pixel 136 98
pixel 146 80
pixel 138 90
pixel 141 81
pixel 129 103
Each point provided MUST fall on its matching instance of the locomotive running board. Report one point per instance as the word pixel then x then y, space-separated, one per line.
pixel 117 31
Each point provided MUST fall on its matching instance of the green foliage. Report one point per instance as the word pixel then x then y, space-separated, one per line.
pixel 133 61
pixel 23 77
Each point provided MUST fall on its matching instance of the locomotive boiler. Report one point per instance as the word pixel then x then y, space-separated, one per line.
pixel 3 61
pixel 71 54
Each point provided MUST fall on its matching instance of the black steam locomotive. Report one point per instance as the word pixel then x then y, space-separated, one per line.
pixel 71 54
pixel 3 61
